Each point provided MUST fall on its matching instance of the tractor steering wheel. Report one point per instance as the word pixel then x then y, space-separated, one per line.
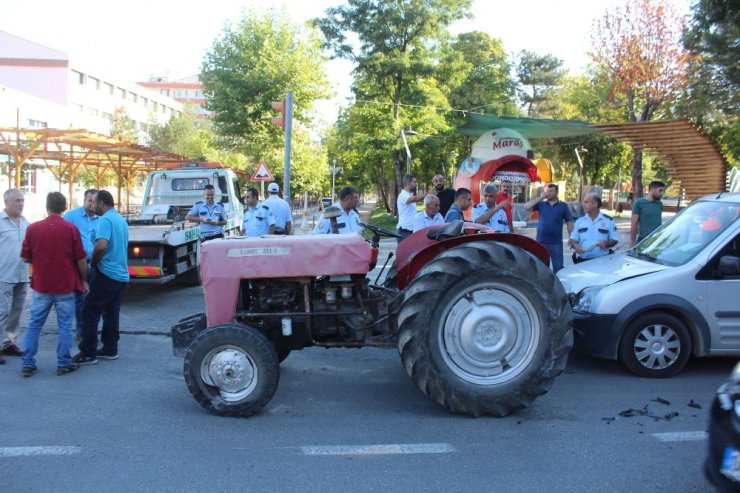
pixel 378 231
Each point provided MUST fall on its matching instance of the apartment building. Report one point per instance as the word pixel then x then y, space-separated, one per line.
pixel 40 87
pixel 186 91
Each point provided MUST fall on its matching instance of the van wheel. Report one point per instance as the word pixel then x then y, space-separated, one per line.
pixel 655 345
pixel 232 370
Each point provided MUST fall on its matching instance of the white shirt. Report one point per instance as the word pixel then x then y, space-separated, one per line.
pixel 406 212
pixel 347 223
pixel 498 221
pixel 280 210
pixel 12 268
pixel 422 220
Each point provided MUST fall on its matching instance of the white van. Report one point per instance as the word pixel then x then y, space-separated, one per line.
pixel 675 294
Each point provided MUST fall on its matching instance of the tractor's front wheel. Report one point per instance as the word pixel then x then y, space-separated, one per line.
pixel 485 328
pixel 232 370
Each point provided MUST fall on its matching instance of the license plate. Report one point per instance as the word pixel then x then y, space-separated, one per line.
pixel 731 464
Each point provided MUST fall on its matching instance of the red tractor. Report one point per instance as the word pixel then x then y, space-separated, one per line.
pixel 480 321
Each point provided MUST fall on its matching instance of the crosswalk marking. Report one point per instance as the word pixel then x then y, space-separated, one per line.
pixel 388 449
pixel 681 436
pixel 33 451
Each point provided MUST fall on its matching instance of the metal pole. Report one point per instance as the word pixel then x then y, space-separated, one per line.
pixel 288 136
pixel 408 152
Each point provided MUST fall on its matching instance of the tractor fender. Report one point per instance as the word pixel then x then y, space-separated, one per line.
pixel 417 250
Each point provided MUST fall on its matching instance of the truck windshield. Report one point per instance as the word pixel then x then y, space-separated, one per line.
pixel 683 237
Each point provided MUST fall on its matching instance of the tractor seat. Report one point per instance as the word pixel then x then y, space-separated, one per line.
pixel 449 230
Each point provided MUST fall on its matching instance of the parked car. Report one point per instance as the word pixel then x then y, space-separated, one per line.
pixel 674 295
pixel 722 466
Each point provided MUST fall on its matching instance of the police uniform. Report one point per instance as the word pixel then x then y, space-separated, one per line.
pixel 257 220
pixel 216 212
pixel 422 220
pixel 347 223
pixel 498 221
pixel 588 233
pixel 280 210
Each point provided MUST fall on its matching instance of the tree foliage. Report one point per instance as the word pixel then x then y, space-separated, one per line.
pixel 638 52
pixel 539 77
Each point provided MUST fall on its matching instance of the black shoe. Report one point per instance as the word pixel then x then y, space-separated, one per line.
pixel 27 371
pixel 107 354
pixel 81 359
pixel 63 370
pixel 12 350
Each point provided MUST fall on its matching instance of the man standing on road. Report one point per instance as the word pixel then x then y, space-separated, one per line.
pixel 646 213
pixel 430 216
pixel 280 209
pixel 446 195
pixel 504 196
pixel 258 219
pixel 54 247
pixel 490 213
pixel 463 201
pixel 348 221
pixel 110 277
pixel 406 205
pixel 85 219
pixel 210 214
pixel 594 233
pixel 553 213
pixel 13 272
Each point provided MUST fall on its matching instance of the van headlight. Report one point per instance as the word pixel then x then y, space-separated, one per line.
pixel 585 298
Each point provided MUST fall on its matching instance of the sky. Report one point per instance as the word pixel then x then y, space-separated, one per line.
pixel 133 40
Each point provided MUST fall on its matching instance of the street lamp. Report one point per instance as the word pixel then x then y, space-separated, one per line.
pixel 334 170
pixel 404 133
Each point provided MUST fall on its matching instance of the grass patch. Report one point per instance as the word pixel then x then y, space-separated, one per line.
pixel 381 219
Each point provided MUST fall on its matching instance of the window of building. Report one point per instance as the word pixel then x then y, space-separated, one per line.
pixel 76 107
pixel 181 93
pixel 144 102
pixel 164 92
pixel 94 82
pixel 122 93
pixel 154 106
pixel 132 97
pixel 93 112
pixel 109 88
pixel 79 76
pixel 199 94
pixel 37 124
pixel 107 116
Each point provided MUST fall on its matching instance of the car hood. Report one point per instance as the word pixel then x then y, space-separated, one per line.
pixel 605 270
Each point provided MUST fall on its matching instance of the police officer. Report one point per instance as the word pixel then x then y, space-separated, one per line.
pixel 258 219
pixel 490 213
pixel 210 214
pixel 280 209
pixel 594 233
pixel 348 221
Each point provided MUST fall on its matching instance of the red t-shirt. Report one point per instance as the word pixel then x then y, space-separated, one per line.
pixel 54 246
pixel 500 197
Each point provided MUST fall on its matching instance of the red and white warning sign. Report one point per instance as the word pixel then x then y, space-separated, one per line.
pixel 262 173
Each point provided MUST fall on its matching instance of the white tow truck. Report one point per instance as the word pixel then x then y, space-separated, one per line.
pixel 164 246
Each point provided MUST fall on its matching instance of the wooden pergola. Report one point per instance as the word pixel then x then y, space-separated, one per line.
pixel 67 151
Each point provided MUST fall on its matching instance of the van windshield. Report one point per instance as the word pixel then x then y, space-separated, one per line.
pixel 683 237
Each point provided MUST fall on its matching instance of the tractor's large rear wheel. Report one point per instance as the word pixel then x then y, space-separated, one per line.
pixel 232 370
pixel 485 328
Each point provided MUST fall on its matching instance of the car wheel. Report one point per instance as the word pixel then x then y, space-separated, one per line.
pixel 655 345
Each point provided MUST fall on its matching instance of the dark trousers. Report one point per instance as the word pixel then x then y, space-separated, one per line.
pixel 404 233
pixel 80 303
pixel 104 299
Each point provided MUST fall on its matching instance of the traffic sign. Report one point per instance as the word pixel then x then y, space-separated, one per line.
pixel 262 173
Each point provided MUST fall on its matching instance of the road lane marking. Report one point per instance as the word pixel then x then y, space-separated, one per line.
pixel 388 449
pixel 681 436
pixel 32 451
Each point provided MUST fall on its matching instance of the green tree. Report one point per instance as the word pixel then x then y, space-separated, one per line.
pixel 394 57
pixel 179 135
pixel 254 63
pixel 122 126
pixel 539 77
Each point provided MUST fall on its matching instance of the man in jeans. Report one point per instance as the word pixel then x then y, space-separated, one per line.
pixel 55 249
pixel 110 277
pixel 553 213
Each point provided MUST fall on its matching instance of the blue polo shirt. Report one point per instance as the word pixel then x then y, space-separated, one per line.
pixel 552 218
pixel 86 225
pixel 113 227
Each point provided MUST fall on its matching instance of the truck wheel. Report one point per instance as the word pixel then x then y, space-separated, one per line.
pixel 232 370
pixel 655 345
pixel 190 278
pixel 485 328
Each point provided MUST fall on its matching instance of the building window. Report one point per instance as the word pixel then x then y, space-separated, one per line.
pixel 199 94
pixel 93 112
pixel 107 116
pixel 37 124
pixel 164 92
pixel 144 102
pixel 109 88
pixel 79 76
pixel 181 93
pixel 154 106
pixel 132 97
pixel 122 93
pixel 94 82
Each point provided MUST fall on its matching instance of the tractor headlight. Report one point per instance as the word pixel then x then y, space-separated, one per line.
pixel 585 298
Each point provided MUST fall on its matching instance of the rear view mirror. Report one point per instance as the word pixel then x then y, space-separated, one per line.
pixel 729 265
